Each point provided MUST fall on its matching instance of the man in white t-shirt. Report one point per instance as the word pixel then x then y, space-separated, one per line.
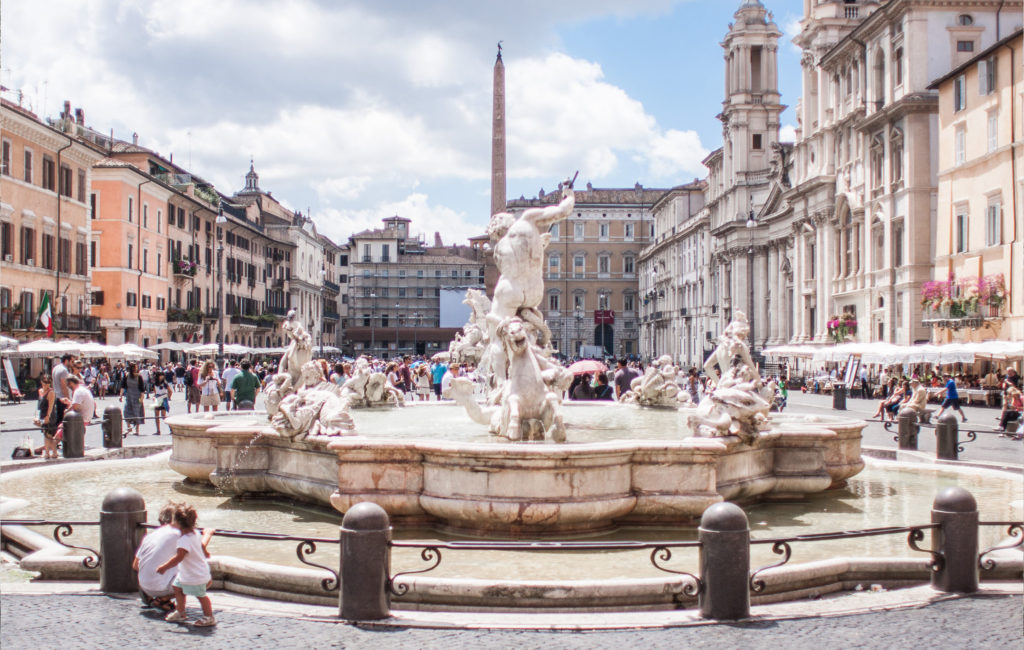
pixel 230 372
pixel 81 399
pixel 156 548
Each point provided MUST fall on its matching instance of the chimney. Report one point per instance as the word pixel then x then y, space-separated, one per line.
pixel 66 115
pixel 80 117
pixel 135 138
pixel 437 240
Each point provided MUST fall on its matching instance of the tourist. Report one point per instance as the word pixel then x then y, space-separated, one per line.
pixel 437 373
pixel 624 375
pixel 179 377
pixel 394 379
pixel 423 382
pixel 230 372
pixel 156 547
pixel 59 380
pixel 603 390
pixel 783 400
pixel 193 570
pixel 952 398
pixel 244 387
pixel 81 399
pixel 193 395
pixel 132 392
pixel 337 375
pixel 449 376
pixel 1013 406
pixel 102 382
pixel 405 374
pixel 209 386
pixel 1012 378
pixel 46 421
pixel 583 390
pixel 161 399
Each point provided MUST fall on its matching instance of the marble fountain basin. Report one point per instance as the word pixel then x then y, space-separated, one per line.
pixel 425 464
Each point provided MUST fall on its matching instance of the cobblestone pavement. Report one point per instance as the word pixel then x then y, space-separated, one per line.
pixel 96 621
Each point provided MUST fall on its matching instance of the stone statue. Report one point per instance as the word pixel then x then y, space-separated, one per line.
pixel 657 387
pixel 525 384
pixel 740 400
pixel 468 347
pixel 314 409
pixel 299 350
pixel 366 388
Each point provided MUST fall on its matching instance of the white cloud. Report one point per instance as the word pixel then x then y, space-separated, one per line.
pixel 427 218
pixel 791 28
pixel 787 133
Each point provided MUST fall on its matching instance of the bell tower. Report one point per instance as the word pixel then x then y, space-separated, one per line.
pixel 751 110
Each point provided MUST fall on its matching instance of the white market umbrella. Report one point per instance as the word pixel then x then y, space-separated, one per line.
pixel 7 343
pixel 132 351
pixel 45 348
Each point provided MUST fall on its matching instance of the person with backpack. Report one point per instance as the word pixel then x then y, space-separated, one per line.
pixel 192 392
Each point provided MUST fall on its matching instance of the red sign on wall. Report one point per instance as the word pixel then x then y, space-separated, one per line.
pixel 604 317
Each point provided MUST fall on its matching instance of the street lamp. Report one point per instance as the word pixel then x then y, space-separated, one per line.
pixel 578 313
pixel 373 313
pixel 323 279
pixel 415 321
pixel 398 352
pixel 221 224
pixel 751 224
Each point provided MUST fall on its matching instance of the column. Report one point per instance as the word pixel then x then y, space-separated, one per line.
pixel 777 290
pixel 762 294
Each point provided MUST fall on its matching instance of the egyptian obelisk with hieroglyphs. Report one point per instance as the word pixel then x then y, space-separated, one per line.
pixel 498 138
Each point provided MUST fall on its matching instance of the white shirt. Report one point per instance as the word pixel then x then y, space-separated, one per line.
pixel 229 374
pixel 83 396
pixel 193 570
pixel 210 384
pixel 446 382
pixel 156 548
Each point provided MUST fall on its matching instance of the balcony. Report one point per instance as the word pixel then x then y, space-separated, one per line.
pixel 277 311
pixel 367 259
pixel 211 314
pixel 184 267
pixel 11 320
pixel 332 286
pixel 277 283
pixel 263 321
pixel 330 314
pixel 175 315
pixel 957 315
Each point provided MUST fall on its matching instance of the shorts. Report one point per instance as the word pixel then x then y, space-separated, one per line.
pixel 191 590
pixel 951 401
pixel 210 400
pixel 193 394
pixel 180 381
pixel 437 390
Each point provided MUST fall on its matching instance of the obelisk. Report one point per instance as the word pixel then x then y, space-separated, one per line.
pixel 498 138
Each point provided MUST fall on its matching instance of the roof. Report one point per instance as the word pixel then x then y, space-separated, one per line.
pixel 978 57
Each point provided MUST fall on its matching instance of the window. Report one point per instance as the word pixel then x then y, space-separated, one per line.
pixel 993 131
pixel 553 302
pixel 554 264
pixel 81 262
pixel 554 231
pixel 131 299
pixel 65 180
pixel 28 165
pixel 965 46
pixel 28 302
pixel 81 186
pixel 6 240
pixel 419 273
pixel 159 219
pixel 47 261
pixel 603 231
pixel 897 244
pixel 993 224
pixel 92 254
pixel 455 274
pixel 960 146
pixel 401 292
pixel 877 160
pixel 145 260
pixel 49 172
pixel 130 255
pixel 578 265
pixel 628 302
pixel 757 142
pixel 385 253
pixel 147 301
pixel 419 292
pixel 577 302
pixel 604 264
pixel 964 20
pixel 145 215
pixel 628 265
pixel 603 301
pixel 629 232
pixel 5 160
pixel 577 231
pixel 896 161
pixel 987 76
pixel 131 208
pixel 64 255
pixel 897 60
pixel 960 235
pixel 960 93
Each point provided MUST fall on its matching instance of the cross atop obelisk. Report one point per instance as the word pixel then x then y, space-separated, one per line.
pixel 498 138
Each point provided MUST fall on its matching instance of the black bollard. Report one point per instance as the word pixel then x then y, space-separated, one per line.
pixel 724 563
pixel 956 538
pixel 947 437
pixel 907 429
pixel 113 428
pixel 365 563
pixel 839 397
pixel 73 441
pixel 120 515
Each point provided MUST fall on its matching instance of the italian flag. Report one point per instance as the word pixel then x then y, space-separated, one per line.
pixel 45 315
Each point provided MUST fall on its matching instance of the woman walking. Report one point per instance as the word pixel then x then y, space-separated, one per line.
pixel 161 399
pixel 47 418
pixel 209 386
pixel 132 392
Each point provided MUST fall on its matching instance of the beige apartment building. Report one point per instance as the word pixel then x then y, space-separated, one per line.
pixel 590 280
pixel 45 176
pixel 977 288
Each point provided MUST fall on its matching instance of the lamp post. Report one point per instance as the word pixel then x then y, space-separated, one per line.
pixel 373 313
pixel 751 224
pixel 398 352
pixel 221 224
pixel 323 279
pixel 415 324
pixel 578 313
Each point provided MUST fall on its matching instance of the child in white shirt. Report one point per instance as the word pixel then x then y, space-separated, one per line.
pixel 193 569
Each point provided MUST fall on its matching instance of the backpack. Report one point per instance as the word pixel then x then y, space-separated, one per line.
pixel 188 377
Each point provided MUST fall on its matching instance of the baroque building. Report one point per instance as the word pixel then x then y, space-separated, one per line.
pixel 591 268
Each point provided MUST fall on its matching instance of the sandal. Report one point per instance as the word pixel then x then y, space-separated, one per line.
pixel 206 621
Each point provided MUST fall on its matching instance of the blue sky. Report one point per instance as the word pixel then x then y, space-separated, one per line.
pixel 358 110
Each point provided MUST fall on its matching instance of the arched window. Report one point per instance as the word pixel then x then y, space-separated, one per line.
pixel 877 162
pixel 964 20
pixel 896 157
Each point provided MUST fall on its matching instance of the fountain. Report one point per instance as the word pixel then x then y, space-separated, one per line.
pixel 522 463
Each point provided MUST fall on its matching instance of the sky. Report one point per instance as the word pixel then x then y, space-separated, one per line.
pixel 356 110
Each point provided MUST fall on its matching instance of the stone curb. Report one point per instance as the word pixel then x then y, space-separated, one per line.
pixel 925 458
pixel 846 604
pixel 133 451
